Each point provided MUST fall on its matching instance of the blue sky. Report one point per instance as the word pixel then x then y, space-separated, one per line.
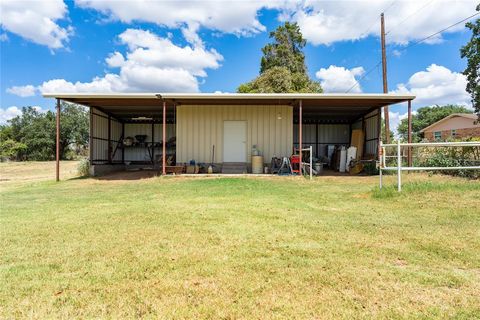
pixel 208 46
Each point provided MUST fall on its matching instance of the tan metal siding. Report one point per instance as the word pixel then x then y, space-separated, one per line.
pixel 201 127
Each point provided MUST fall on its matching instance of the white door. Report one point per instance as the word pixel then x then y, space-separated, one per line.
pixel 235 141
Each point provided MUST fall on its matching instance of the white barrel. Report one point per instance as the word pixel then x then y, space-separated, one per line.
pixel 257 164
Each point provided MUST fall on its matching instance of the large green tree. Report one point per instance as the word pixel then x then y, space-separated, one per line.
pixel 471 51
pixel 282 67
pixel 426 116
pixel 36 132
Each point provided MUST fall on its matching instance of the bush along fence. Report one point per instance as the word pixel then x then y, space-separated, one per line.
pixel 460 158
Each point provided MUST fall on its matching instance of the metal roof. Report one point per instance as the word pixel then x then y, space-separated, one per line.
pixel 229 96
pixel 328 106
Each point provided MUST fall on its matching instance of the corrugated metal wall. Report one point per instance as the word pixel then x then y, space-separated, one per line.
pixel 99 136
pixel 371 133
pixel 201 127
pixel 336 134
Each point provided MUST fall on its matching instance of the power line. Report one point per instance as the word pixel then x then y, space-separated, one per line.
pixel 357 82
pixel 375 22
pixel 411 15
pixel 367 31
pixel 438 32
pixel 391 5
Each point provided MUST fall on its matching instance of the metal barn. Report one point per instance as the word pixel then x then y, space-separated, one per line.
pixel 174 129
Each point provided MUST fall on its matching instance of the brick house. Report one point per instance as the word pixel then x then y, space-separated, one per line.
pixel 456 125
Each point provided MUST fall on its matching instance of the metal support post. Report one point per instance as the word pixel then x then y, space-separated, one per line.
pixel 311 164
pixel 399 166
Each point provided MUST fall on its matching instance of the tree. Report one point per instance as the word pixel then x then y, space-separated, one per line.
pixel 426 116
pixel 280 80
pixel 471 51
pixel 282 67
pixel 36 131
pixel 74 128
pixel 9 148
pixel 286 50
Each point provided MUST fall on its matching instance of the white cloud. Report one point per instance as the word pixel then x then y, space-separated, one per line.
pixel 396 53
pixel 436 85
pixel 115 60
pixel 13 111
pixel 339 79
pixel 151 63
pixel 321 21
pixel 22 91
pixel 39 109
pixel 395 118
pixel 9 113
pixel 36 21
pixel 325 22
pixel 108 83
pixel 238 17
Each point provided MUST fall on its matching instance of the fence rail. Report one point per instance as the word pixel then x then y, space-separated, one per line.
pixel 399 168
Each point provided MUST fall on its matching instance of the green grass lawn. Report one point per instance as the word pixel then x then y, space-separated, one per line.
pixel 264 248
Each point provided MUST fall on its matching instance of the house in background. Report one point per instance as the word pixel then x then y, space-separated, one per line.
pixel 456 125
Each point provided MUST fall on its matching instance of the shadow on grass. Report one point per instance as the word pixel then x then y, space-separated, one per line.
pixel 78 178
pixel 422 188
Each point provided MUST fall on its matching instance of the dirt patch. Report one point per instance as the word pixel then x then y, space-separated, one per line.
pixel 130 175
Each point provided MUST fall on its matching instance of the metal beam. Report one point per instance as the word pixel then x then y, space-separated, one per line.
pixel 300 142
pixel 57 141
pixel 123 148
pixel 153 143
pixel 109 134
pixel 379 131
pixel 164 138
pixel 90 136
pixel 384 72
pixel 410 160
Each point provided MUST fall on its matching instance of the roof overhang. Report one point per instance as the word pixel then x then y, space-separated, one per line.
pixel 332 106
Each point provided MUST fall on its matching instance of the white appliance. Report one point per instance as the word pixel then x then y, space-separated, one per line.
pixel 351 155
pixel 343 159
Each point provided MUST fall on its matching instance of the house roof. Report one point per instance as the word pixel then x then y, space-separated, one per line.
pixel 453 115
pixel 346 107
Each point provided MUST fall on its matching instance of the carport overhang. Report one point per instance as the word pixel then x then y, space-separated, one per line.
pixel 157 107
pixel 340 108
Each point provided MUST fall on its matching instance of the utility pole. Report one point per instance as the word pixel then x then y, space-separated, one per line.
pixel 385 84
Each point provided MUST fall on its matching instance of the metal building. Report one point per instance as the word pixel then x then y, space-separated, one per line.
pixel 223 128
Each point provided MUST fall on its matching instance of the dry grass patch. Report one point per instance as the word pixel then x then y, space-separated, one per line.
pixel 241 248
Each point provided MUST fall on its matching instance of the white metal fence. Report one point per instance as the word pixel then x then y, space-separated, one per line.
pixel 399 167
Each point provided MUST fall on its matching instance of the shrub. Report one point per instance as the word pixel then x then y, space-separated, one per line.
pixel 83 167
pixel 370 168
pixel 11 150
pixel 452 157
